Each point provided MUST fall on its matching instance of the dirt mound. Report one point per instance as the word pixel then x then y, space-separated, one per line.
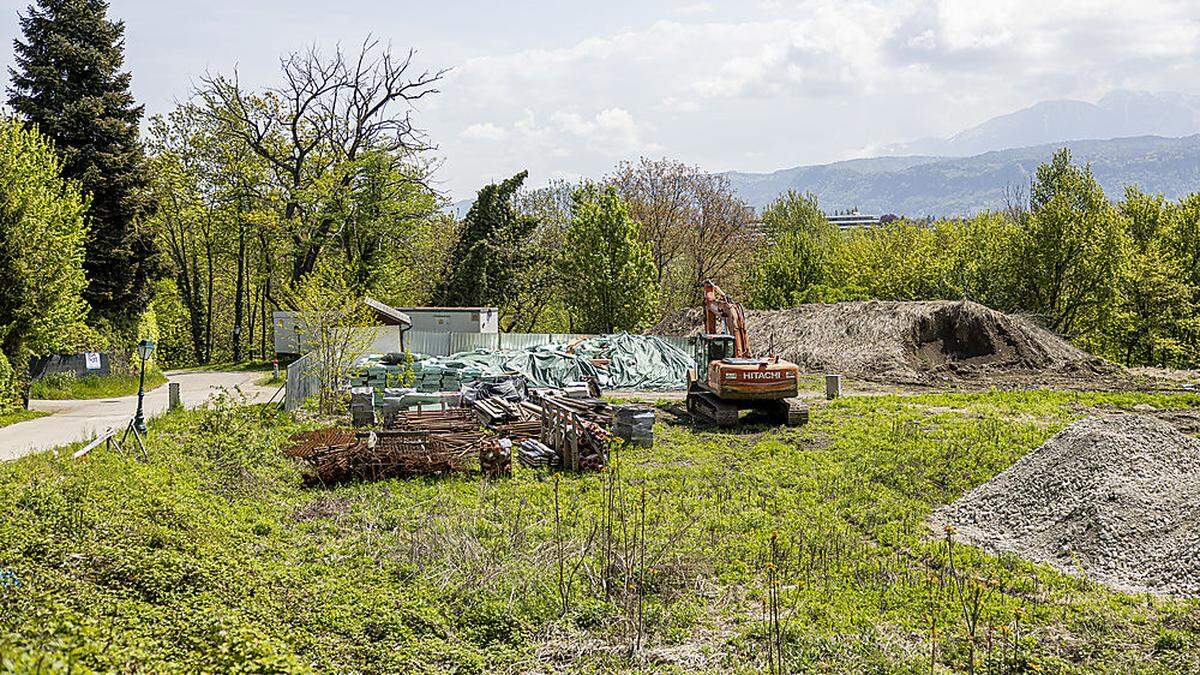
pixel 905 342
pixel 1115 498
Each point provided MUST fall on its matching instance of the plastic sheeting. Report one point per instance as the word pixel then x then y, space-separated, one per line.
pixel 633 362
pixel 638 361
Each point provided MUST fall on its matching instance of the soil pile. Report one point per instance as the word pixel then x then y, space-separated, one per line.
pixel 905 342
pixel 1115 498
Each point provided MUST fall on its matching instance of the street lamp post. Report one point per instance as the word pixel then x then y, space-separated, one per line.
pixel 144 349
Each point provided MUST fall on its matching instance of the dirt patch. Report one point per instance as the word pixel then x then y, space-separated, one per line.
pixel 920 343
pixel 1115 498
pixel 322 507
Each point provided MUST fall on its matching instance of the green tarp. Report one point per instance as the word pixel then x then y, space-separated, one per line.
pixel 634 362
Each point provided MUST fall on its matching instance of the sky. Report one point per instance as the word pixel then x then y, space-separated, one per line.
pixel 568 89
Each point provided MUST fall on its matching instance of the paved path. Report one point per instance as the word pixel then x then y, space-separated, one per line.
pixel 71 421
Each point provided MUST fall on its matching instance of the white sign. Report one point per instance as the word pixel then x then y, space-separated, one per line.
pixel 92 360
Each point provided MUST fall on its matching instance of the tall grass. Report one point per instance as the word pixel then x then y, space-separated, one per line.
pixel 785 550
pixel 66 386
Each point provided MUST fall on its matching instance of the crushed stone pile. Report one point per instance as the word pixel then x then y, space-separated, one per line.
pixel 1115 498
pixel 905 342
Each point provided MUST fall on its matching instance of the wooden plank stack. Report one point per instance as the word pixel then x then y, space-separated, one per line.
pixel 575 430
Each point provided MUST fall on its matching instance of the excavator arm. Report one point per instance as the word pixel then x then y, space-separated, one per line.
pixel 719 306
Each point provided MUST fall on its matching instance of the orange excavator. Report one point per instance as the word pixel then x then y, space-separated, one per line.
pixel 728 379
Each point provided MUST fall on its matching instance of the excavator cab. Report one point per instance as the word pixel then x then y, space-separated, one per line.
pixel 709 347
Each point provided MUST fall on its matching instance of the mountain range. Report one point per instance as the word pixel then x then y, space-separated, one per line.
pixel 949 186
pixel 1151 140
pixel 1120 114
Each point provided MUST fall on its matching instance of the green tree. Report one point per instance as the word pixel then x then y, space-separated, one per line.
pixel 539 304
pixel 607 270
pixel 69 83
pixel 320 129
pixel 42 236
pixel 491 250
pixel 799 255
pixel 1154 323
pixel 330 312
pixel 1069 249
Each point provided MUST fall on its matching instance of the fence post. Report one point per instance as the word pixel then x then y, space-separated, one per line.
pixel 833 386
pixel 173 396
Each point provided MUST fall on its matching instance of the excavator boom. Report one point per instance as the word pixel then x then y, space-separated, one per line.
pixel 719 306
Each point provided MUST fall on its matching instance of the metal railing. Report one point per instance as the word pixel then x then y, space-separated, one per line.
pixel 302 383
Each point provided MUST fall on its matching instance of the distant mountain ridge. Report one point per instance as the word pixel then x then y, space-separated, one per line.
pixel 1120 114
pixel 917 186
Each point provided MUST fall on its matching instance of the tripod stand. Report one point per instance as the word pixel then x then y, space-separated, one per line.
pixel 132 427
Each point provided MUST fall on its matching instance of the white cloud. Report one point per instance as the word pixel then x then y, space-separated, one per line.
pixel 803 81
pixel 697 8
pixel 483 131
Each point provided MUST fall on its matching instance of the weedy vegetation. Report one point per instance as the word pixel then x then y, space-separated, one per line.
pixel 67 386
pixel 756 550
pixel 19 416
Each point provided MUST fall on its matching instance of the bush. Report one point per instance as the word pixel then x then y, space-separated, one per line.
pixel 10 397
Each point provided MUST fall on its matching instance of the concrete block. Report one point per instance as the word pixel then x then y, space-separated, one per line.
pixel 833 386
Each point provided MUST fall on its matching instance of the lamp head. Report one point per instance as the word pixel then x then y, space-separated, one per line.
pixel 145 348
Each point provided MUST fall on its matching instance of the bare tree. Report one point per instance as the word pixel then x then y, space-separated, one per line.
pixel 695 224
pixel 719 241
pixel 661 197
pixel 312 130
pixel 1016 203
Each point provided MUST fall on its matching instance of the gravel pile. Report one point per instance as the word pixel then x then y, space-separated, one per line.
pixel 1115 498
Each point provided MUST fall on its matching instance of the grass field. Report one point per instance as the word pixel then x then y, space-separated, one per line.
pixel 270 380
pixel 65 386
pixel 19 416
pixel 713 551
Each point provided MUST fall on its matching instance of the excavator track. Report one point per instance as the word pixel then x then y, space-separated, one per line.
pixel 793 412
pixel 707 408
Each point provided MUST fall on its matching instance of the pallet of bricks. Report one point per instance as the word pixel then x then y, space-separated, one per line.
pixel 429 376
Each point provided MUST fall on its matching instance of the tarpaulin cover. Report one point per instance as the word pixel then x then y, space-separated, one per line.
pixel 638 361
pixel 633 362
pixel 511 389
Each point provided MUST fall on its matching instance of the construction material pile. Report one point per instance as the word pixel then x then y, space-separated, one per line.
pixel 620 361
pixel 576 429
pixel 381 371
pixel 1116 498
pixel 569 429
pixel 340 456
pixel 905 342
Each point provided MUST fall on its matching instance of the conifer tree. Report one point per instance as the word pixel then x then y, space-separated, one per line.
pixel 69 83
pixel 490 251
